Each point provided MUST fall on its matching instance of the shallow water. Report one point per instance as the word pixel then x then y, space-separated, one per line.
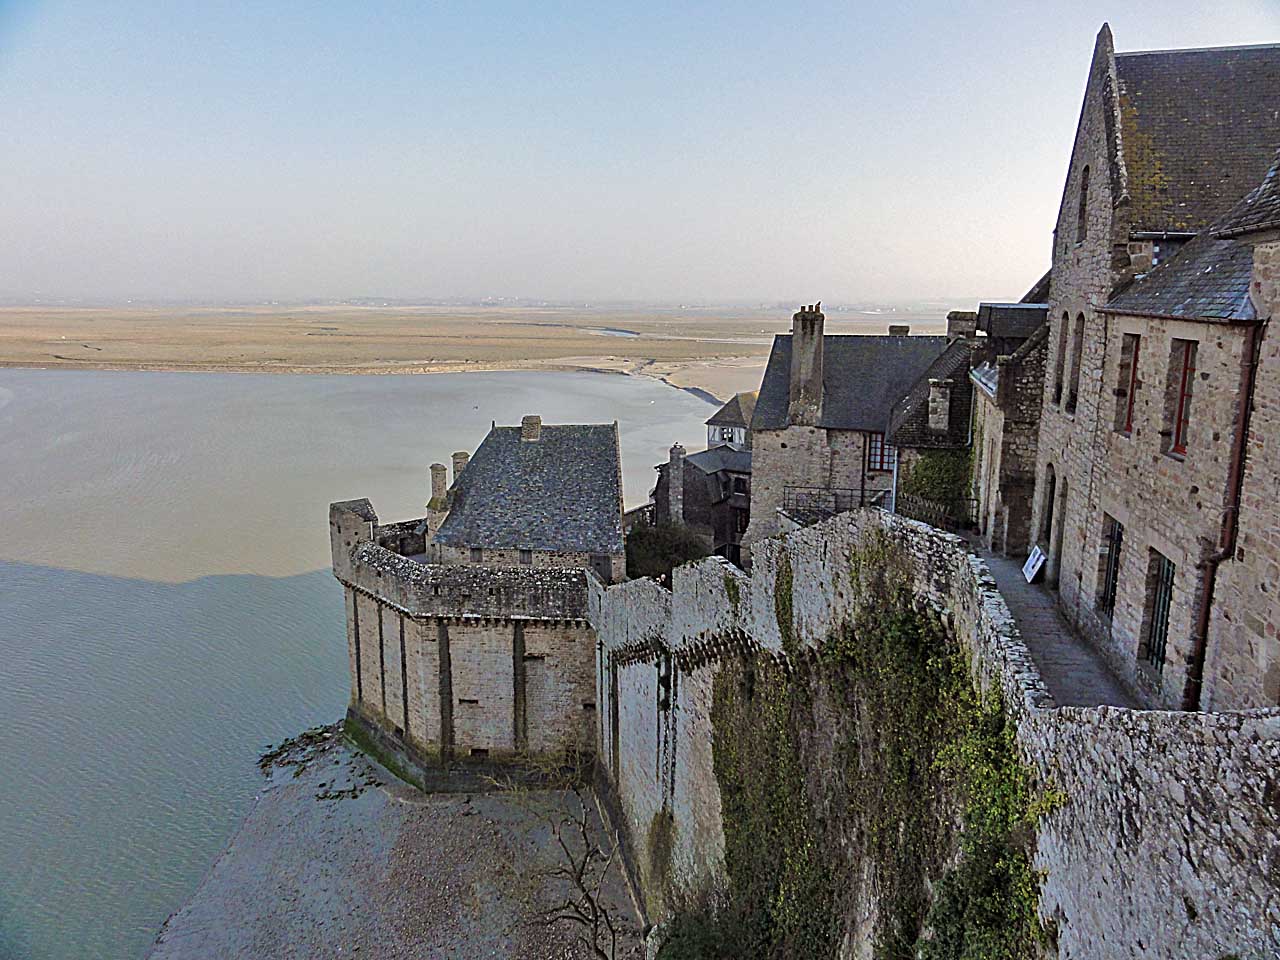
pixel 166 611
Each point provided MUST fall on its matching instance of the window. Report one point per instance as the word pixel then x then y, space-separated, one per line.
pixel 1160 573
pixel 1062 358
pixel 1050 498
pixel 1082 214
pixel 739 484
pixel 1128 388
pixel 477 555
pixel 1182 372
pixel 526 557
pixel 880 455
pixel 1077 348
pixel 1113 539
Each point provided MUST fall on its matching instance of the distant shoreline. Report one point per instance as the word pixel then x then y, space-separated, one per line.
pixel 295 369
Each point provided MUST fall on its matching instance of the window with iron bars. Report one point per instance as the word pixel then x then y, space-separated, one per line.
pixel 1159 599
pixel 1113 537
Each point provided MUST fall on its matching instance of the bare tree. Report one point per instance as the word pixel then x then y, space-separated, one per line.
pixel 583 861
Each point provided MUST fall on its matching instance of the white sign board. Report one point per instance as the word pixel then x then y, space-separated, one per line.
pixel 1031 569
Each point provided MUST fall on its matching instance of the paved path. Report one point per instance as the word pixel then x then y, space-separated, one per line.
pixel 1074 672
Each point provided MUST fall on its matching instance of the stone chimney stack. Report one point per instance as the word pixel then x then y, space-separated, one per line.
pixel 460 461
pixel 962 323
pixel 439 482
pixel 939 405
pixel 675 484
pixel 531 428
pixel 899 329
pixel 805 404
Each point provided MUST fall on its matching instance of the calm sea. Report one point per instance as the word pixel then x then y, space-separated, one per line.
pixel 166 609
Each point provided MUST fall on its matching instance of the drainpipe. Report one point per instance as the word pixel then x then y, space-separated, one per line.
pixel 1230 519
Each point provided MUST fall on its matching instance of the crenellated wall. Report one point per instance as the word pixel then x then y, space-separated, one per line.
pixel 1165 841
pixel 455 662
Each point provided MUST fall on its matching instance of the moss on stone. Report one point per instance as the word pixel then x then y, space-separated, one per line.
pixel 871 771
pixel 782 609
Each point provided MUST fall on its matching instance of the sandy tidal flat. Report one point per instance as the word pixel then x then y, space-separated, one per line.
pixel 716 351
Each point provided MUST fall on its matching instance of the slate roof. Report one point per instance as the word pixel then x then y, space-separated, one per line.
pixel 736 413
pixel 1209 278
pixel 863 376
pixel 1198 129
pixel 1011 319
pixel 723 456
pixel 908 422
pixel 562 492
pixel 1259 210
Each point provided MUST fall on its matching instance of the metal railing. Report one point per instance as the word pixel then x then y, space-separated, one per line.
pixel 951 515
pixel 809 504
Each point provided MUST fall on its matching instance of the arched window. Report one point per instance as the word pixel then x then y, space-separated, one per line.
pixel 1082 215
pixel 1061 365
pixel 1077 348
pixel 1050 498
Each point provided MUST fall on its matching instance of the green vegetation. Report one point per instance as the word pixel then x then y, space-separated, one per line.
pixel 782 609
pixel 361 740
pixel 844 776
pixel 652 551
pixel 731 591
pixel 943 476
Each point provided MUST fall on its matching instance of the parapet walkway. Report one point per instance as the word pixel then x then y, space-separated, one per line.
pixel 1074 672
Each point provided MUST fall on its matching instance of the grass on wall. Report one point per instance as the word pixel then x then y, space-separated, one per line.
pixel 868 773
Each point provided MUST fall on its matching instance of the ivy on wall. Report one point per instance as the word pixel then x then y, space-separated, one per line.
pixel 870 795
pixel 943 476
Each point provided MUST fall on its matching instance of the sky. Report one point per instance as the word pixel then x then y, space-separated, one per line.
pixel 578 152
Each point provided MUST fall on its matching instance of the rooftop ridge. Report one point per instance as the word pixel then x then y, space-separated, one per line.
pixel 1225 49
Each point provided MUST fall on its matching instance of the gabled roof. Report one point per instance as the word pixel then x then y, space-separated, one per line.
pixel 1198 128
pixel 723 456
pixel 561 492
pixel 736 413
pixel 863 376
pixel 909 418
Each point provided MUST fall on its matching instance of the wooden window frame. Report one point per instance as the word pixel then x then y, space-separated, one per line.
pixel 1182 409
pixel 880 454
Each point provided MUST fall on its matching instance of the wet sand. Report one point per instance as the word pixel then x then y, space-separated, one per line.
pixel 343 860
pixel 719 352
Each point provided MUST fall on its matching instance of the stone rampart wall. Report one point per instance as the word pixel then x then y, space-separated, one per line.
pixel 1167 838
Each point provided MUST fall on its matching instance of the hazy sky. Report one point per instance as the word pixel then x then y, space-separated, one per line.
pixel 745 151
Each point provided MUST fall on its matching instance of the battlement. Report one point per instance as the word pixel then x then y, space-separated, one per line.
pixel 439 590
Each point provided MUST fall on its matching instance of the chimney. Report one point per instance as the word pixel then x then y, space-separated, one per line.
pixel 438 484
pixel 962 323
pixel 460 461
pixel 675 484
pixel 531 428
pixel 899 330
pixel 806 365
pixel 939 405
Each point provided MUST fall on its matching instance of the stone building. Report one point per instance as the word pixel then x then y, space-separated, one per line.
pixel 709 492
pixel 732 422
pixel 537 496
pixel 818 429
pixel 1008 374
pixel 466 628
pixel 1133 477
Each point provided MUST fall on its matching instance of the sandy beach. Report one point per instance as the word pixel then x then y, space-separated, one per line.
pixel 718 352
pixel 341 859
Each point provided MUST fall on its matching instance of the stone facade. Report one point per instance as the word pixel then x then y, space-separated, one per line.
pixel 1163 844
pixel 462 662
pixel 1095 478
pixel 1242 665
pixel 1006 431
